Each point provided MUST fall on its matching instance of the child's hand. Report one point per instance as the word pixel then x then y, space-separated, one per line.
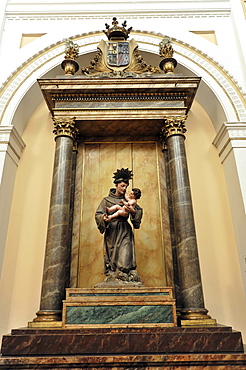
pixel 130 208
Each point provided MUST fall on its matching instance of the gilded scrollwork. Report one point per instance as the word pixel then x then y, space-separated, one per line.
pixel 97 65
pixel 139 66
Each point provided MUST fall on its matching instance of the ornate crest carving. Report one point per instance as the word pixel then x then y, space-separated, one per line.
pixel 125 61
pixel 118 57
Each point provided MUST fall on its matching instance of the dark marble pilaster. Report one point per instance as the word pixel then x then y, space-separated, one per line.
pixel 183 221
pixel 71 213
pixel 57 254
pixel 172 231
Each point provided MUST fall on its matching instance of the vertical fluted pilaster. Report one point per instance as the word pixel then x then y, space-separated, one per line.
pixel 183 221
pixel 57 244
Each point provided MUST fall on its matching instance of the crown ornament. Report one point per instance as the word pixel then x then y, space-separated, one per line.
pixel 117 32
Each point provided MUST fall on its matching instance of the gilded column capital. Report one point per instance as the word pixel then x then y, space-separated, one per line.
pixel 64 126
pixel 173 126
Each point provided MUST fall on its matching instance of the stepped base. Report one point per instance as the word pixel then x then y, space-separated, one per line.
pixel 95 341
pixel 169 361
pixel 122 329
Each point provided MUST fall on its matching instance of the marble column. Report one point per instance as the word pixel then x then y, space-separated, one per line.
pixel 172 232
pixel 71 213
pixel 192 301
pixel 57 254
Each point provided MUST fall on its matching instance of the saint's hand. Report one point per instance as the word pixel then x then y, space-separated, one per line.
pixel 105 217
pixel 130 208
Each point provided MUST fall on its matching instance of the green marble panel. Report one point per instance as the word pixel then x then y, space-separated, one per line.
pixel 119 314
pixel 117 294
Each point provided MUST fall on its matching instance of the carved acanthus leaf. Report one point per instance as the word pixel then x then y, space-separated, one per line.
pixel 96 65
pixel 71 50
pixel 166 49
pixel 139 66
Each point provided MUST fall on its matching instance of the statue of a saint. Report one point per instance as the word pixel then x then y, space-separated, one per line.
pixel 119 252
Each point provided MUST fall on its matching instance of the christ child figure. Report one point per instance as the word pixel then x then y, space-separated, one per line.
pixel 128 204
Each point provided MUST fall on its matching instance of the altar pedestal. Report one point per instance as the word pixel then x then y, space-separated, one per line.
pixel 122 328
pixel 119 307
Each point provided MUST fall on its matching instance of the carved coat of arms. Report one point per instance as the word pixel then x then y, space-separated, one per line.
pixel 118 53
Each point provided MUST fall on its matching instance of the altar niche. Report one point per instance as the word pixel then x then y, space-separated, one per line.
pixel 121 112
pixel 96 163
pixel 121 122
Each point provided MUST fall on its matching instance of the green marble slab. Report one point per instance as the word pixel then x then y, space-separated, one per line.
pixel 118 314
pixel 118 294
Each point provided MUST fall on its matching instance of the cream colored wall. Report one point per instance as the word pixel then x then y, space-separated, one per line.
pixel 29 37
pixel 222 280
pixel 22 267
pixel 208 35
pixel 22 270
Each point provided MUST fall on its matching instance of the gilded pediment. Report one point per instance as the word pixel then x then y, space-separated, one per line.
pixel 119 57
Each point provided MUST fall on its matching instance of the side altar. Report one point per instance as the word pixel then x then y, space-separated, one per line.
pixel 121 113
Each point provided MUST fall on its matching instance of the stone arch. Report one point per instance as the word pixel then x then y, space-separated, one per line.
pixel 225 100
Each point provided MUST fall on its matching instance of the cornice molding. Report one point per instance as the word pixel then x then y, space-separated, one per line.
pixel 148 14
pixel 231 135
pixel 76 10
pixel 11 142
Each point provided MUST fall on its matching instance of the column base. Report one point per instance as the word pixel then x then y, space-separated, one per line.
pixel 47 318
pixel 195 317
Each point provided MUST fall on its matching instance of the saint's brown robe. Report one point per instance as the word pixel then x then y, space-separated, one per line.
pixel 119 252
